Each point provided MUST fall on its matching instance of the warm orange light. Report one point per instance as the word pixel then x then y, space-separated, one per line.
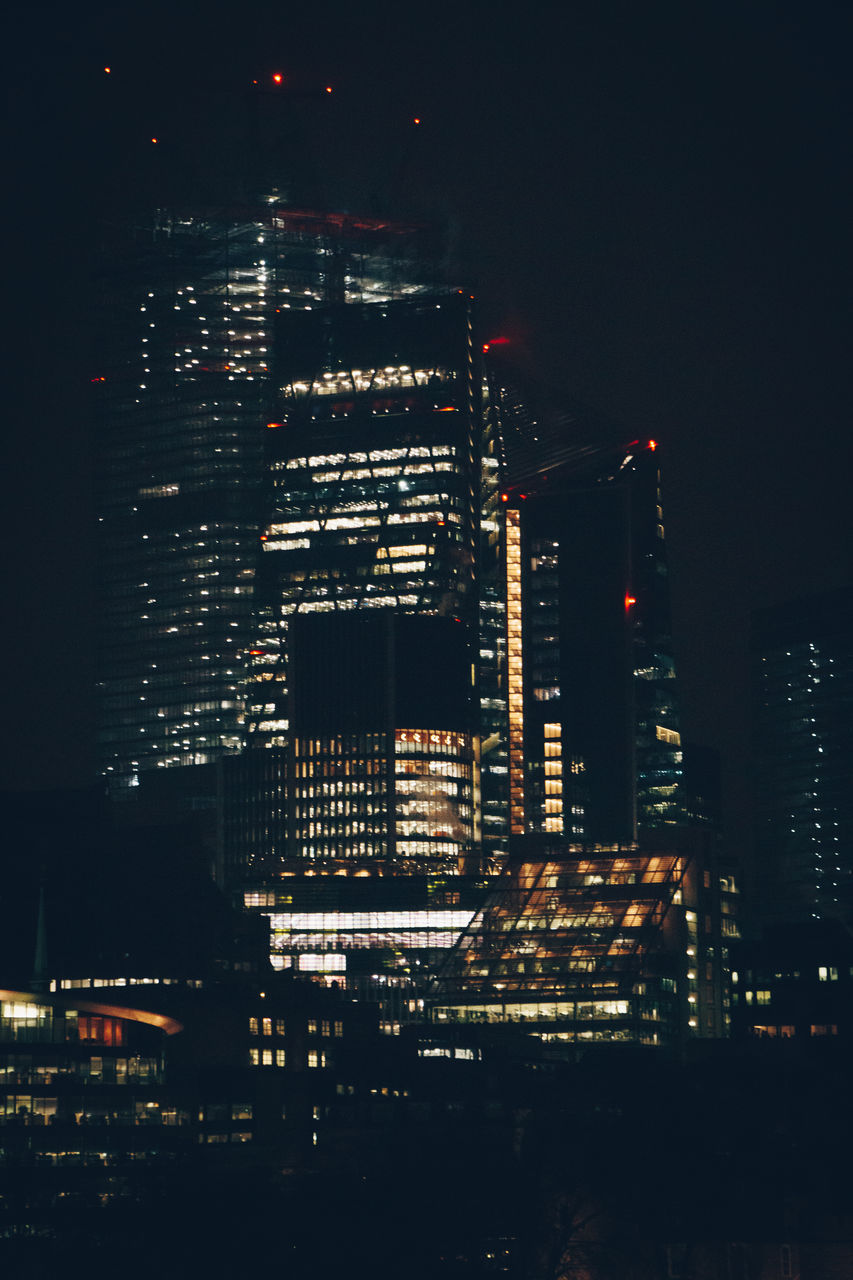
pixel 153 139
pixel 486 346
pixel 504 497
pixel 277 78
pixel 417 120
pixel 107 70
pixel 271 425
pixel 629 600
pixel 328 88
pixel 653 444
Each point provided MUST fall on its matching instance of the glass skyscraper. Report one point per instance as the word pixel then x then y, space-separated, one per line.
pixel 190 302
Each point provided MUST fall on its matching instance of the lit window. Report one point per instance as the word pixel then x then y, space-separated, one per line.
pixel 279 1057
pixel 267 1026
pixel 266 1057
pixel 253 1026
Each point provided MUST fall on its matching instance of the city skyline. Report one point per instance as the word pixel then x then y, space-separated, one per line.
pixel 661 301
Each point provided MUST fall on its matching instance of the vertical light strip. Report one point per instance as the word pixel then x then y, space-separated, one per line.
pixel 515 680
pixel 554 779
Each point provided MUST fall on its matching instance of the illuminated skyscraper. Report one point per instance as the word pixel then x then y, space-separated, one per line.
pixel 365 661
pixel 803 746
pixel 594 733
pixel 190 301
pixel 606 923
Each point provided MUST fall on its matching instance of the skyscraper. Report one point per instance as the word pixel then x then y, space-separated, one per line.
pixel 189 304
pixel 606 923
pixel 802 654
pixel 365 662
pixel 594 729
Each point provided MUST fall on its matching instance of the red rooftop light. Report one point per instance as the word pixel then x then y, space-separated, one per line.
pixel 276 77
pixel 629 600
pixel 653 444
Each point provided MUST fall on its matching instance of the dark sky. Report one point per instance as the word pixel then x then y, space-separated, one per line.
pixel 652 201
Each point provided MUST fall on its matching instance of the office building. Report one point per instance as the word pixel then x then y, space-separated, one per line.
pixel 188 304
pixel 610 921
pixel 365 663
pixel 802 654
pixel 373 459
pixel 594 728
pixel 578 945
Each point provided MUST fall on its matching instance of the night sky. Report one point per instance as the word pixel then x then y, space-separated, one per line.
pixel 651 201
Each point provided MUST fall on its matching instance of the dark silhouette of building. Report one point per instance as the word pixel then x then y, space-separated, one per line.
pixel 803 748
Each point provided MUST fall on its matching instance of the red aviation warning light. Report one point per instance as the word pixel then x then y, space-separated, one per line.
pixel 277 77
pixel 653 444
pixel 107 70
pixel 271 426
pixel 328 88
pixel 154 140
pixel 629 601
pixel 416 120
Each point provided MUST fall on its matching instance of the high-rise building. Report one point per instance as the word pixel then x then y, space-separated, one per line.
pixel 594 728
pixel 190 302
pixel 802 656
pixel 365 661
pixel 373 457
pixel 608 921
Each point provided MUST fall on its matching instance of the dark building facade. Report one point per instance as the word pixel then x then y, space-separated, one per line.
pixel 594 726
pixel 803 748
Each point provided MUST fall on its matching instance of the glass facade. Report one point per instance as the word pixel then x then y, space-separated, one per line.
pixel 576 946
pixel 181 404
pixel 372 477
